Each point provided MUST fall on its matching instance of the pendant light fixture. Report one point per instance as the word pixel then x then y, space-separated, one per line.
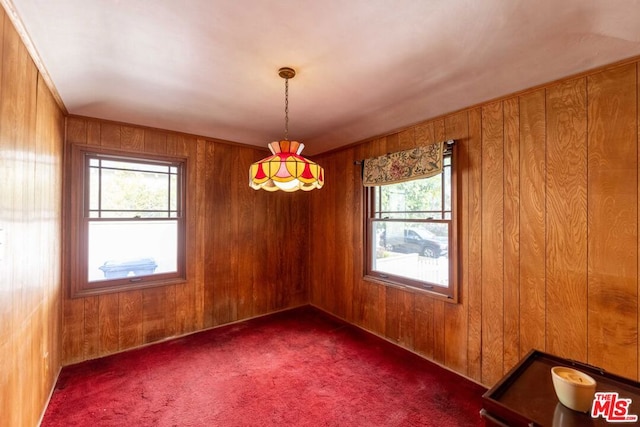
pixel 286 169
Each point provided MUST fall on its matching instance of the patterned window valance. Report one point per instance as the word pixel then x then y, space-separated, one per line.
pixel 420 162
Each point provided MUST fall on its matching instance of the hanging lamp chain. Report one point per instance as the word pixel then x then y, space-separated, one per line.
pixel 286 109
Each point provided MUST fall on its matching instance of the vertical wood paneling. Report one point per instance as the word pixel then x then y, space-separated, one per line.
pixel 400 326
pixel 91 345
pixel 511 233
pixel 19 266
pixel 109 134
pixel 49 133
pixel 492 242
pixel 353 231
pixel 31 141
pixel 439 321
pixel 329 201
pixel 185 307
pixel 108 324
pixel 455 315
pixel 339 238
pixel 209 220
pixel 358 243
pixel 532 221
pixel 224 270
pixel 198 196
pixel 154 307
pixel 613 220
pixel 423 326
pixel 132 138
pixel 130 333
pixel 566 256
pixel 245 233
pixel 474 272
pixel 76 130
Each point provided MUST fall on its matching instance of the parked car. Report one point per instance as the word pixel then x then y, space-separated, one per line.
pixel 423 242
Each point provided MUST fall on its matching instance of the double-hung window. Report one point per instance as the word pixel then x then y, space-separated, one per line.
pixel 128 220
pixel 411 228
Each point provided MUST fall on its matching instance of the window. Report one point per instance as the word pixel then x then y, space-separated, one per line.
pixel 128 221
pixel 411 232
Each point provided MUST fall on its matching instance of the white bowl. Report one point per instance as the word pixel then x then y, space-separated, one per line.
pixel 574 389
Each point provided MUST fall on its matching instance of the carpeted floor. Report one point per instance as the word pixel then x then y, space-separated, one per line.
pixel 296 368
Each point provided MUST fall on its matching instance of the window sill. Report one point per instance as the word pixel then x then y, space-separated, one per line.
pixel 411 289
pixel 126 287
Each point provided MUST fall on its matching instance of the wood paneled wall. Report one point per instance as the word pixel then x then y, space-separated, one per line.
pixel 31 145
pixel 246 249
pixel 549 232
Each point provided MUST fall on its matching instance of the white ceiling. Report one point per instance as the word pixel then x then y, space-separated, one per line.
pixel 365 67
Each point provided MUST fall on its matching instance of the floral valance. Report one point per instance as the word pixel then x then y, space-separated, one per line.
pixel 420 162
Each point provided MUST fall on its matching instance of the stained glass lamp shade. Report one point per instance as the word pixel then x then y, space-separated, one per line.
pixel 286 169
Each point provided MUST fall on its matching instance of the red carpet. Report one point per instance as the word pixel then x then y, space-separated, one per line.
pixel 296 368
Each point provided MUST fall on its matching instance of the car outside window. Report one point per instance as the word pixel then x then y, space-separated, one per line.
pixel 411 233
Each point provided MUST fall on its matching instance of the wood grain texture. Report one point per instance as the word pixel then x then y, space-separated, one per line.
pixel 244 203
pixel 342 239
pixel 354 237
pixel 224 270
pixel 474 272
pixel 130 333
pixel 492 242
pixel 91 344
pixel 154 312
pixel 108 323
pixel 532 221
pixel 400 327
pixel 439 320
pixel 455 315
pixel 185 293
pixel 198 198
pixel 31 147
pixel 612 220
pixel 511 233
pixel 424 340
pixel 566 210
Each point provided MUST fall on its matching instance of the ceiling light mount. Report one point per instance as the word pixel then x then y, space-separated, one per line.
pixel 286 169
pixel 287 72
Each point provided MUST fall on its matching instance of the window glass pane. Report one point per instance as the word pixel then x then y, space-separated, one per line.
pixel 416 215
pixel 133 215
pixel 130 190
pixel 131 165
pixel 173 201
pixel 131 248
pixel 446 188
pixel 417 251
pixel 120 189
pixel 413 196
pixel 94 187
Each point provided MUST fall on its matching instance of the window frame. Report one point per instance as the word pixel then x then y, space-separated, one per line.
pixel 449 293
pixel 79 219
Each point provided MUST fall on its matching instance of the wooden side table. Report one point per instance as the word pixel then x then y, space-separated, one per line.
pixel 525 396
